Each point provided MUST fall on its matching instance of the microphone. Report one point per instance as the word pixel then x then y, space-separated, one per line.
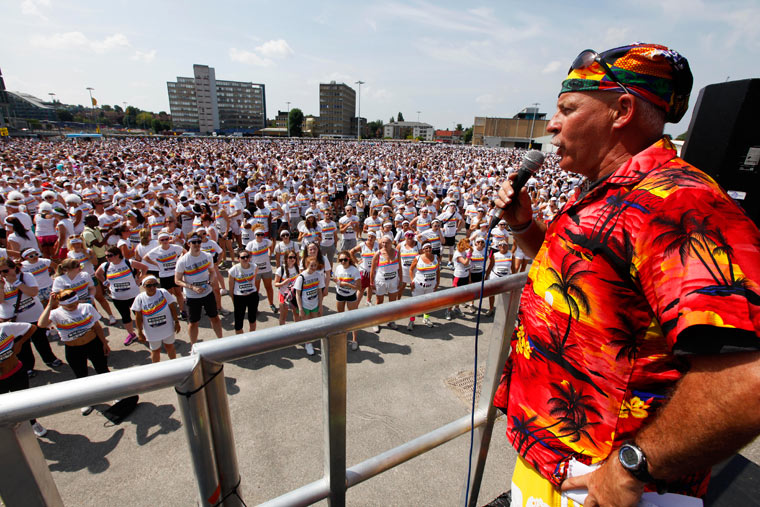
pixel 531 162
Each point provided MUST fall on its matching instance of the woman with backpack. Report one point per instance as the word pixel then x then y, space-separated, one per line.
pixel 117 274
pixel 284 278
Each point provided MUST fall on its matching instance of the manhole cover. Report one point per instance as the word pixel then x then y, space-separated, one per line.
pixel 461 384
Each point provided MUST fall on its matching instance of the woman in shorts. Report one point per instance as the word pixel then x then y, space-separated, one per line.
pixel 477 262
pixel 499 266
pixel 363 254
pixel 461 271
pixel 348 282
pixel 308 287
pixel 80 331
pixel 408 250
pixel 284 277
pixel 314 250
pixel 242 286
pixel 157 318
pixel 284 247
pixel 425 273
pixel 385 274
pixel 165 257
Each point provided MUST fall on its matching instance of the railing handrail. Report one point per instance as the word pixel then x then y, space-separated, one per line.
pixel 63 396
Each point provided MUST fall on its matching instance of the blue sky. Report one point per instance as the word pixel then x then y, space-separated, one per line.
pixel 451 61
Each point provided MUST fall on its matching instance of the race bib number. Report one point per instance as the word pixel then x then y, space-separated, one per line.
pixel 389 275
pixel 6 354
pixel 157 321
pixel 121 286
pixel 246 287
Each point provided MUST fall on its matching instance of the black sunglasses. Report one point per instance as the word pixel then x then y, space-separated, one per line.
pixel 110 255
pixel 245 257
pixel 343 260
pixel 4 271
pixel 587 57
pixel 148 285
pixel 195 242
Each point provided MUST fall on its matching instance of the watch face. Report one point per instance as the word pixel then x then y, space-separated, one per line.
pixel 629 457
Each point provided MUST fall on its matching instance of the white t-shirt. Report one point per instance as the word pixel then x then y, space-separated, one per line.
pixel 74 324
pixel 328 230
pixel 289 276
pixel 350 232
pixel 158 322
pixel 121 280
pixel 197 272
pixel 350 275
pixel 460 270
pixel 29 307
pixel 80 283
pixel 166 259
pixel 244 279
pixel 9 332
pixel 310 284
pixel 260 254
pixel 40 270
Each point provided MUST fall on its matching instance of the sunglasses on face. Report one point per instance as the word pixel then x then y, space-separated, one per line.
pixel 107 255
pixel 343 260
pixel 245 257
pixel 150 285
pixel 195 242
pixel 293 257
pixel 162 240
pixel 5 271
pixel 259 234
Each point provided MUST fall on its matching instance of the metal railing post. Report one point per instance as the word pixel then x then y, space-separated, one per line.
pixel 27 480
pixel 334 399
pixel 191 398
pixel 498 350
pixel 221 432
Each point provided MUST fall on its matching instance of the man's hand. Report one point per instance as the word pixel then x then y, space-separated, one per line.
pixel 522 212
pixel 609 485
pixel 177 327
pixel 106 349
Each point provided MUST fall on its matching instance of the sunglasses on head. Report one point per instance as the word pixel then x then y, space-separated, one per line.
pixel 587 57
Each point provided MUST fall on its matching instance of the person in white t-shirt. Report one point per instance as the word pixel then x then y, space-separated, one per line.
pixel 242 287
pixel 284 277
pixel 462 257
pixel 308 288
pixel 348 281
pixel 157 318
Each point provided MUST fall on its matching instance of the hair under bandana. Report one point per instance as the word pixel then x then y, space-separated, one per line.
pixel 653 72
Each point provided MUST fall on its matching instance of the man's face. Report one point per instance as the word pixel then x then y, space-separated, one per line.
pixel 581 128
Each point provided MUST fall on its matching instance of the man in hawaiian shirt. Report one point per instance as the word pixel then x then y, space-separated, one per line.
pixel 636 352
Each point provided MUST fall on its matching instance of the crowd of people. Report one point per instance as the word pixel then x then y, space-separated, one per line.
pixel 152 228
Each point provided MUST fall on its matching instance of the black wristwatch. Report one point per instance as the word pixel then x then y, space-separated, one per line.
pixel 634 460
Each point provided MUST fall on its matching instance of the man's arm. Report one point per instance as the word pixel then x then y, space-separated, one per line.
pixel 706 420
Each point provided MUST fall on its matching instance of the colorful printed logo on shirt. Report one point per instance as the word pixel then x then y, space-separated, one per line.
pixel 244 279
pixel 386 263
pixel 311 285
pixel 76 324
pixel 121 273
pixel 199 269
pixel 431 267
pixel 38 271
pixel 156 308
pixel 259 251
pixel 168 258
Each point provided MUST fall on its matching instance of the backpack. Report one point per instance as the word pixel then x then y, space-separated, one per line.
pixel 290 294
pixel 126 261
pixel 119 411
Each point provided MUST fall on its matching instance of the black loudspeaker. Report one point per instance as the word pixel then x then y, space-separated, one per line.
pixel 724 140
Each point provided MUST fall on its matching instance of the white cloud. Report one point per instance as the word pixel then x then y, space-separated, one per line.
pixel 32 8
pixel 248 57
pixel 78 40
pixel 275 49
pixel 551 67
pixel 144 56
pixel 488 100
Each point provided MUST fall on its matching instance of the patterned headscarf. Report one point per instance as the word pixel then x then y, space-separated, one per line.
pixel 655 73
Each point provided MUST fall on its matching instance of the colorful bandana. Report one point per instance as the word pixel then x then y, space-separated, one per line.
pixel 655 73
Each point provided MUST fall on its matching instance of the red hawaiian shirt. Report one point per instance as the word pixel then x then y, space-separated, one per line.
pixel 623 274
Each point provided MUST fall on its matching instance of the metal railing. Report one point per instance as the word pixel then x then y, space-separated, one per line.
pixel 199 382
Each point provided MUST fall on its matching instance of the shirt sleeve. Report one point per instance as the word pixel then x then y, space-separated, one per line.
pixel 702 286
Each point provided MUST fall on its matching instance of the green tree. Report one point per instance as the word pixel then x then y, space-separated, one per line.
pixel 467 136
pixel 459 127
pixel 64 115
pixel 118 109
pixel 295 119
pixel 400 116
pixel 106 107
pixel 391 120
pixel 144 120
pixel 375 129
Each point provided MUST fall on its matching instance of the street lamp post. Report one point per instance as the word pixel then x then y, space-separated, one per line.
pixel 418 116
pixel 288 118
pixel 52 100
pixel 126 118
pixel 359 115
pixel 533 122
pixel 92 107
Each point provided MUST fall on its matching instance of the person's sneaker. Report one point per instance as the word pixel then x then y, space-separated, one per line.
pixel 457 311
pixel 55 363
pixel 309 349
pixel 448 315
pixel 427 322
pixel 111 320
pixel 354 345
pixel 274 309
pixel 86 410
pixel 39 429
pixel 449 266
pixel 490 312
pixel 223 292
pixel 31 373
pixel 368 303
pixel 183 315
pixel 410 326
pixel 130 339
pixel 222 311
pixel 392 325
pixel 376 329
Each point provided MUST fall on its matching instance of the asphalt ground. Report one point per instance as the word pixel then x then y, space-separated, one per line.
pixel 400 385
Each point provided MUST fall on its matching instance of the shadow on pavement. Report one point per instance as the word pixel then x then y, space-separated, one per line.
pixel 57 448
pixel 152 420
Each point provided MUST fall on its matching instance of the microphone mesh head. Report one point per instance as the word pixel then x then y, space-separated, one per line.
pixel 533 160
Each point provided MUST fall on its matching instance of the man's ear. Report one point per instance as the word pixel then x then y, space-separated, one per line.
pixel 625 107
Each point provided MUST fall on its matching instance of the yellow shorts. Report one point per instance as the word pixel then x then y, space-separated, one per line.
pixel 530 489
